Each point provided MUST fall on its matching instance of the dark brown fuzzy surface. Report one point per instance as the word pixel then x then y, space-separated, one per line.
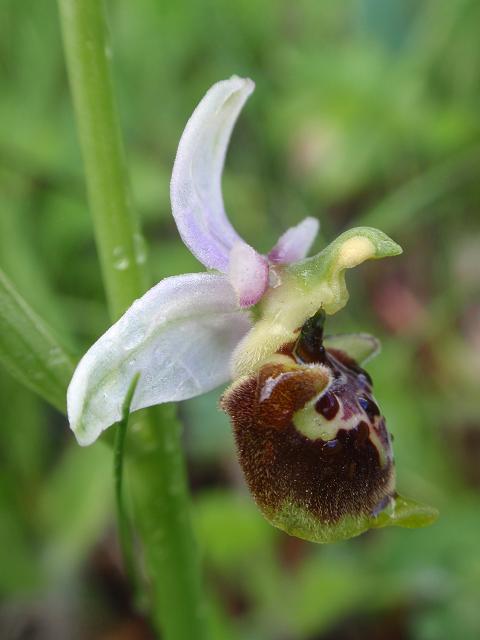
pixel 328 479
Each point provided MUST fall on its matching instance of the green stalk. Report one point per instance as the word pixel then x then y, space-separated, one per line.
pixel 117 228
pixel 155 462
pixel 123 521
pixel 164 519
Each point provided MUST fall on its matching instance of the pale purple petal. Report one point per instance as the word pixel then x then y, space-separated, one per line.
pixel 179 336
pixel 195 190
pixel 295 243
pixel 248 274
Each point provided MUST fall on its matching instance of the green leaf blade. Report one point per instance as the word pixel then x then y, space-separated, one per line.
pixel 29 349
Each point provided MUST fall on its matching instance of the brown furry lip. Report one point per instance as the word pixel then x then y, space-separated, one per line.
pixel 347 474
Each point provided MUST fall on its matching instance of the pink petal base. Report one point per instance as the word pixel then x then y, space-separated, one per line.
pixel 248 274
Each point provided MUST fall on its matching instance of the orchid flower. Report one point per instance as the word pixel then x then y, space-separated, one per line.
pixel 298 400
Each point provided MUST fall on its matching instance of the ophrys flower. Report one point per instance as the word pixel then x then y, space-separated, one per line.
pixel 193 332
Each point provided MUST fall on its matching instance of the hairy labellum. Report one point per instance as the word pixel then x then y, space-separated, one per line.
pixel 312 442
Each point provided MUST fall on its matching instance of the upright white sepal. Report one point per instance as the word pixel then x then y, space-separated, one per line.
pixel 179 337
pixel 195 189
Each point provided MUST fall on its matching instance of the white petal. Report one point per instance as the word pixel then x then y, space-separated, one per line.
pixel 179 336
pixel 248 274
pixel 195 190
pixel 295 243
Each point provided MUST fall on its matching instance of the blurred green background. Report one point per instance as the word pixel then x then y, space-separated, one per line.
pixel 366 112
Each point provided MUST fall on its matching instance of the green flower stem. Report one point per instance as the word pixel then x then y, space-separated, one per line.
pixel 163 518
pixel 123 521
pixel 117 229
pixel 154 460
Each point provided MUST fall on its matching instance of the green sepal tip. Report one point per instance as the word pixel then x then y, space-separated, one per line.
pixel 400 512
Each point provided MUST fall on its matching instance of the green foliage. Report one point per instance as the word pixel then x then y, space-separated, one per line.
pixel 29 350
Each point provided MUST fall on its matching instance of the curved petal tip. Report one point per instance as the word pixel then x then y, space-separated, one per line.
pixel 195 189
pixel 295 243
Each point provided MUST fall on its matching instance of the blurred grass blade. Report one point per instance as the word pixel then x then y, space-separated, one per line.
pixel 29 350
pixel 22 263
pixel 74 507
pixel 123 523
pixel 413 203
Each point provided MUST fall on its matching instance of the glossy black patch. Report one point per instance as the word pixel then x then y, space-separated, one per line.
pixel 327 406
pixel 309 346
pixel 370 407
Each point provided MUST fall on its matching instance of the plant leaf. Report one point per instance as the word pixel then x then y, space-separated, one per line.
pixel 29 349
pixel 123 522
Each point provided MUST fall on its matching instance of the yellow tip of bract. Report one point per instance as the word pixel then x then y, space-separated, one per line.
pixel 360 247
pixel 355 251
pixel 350 249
